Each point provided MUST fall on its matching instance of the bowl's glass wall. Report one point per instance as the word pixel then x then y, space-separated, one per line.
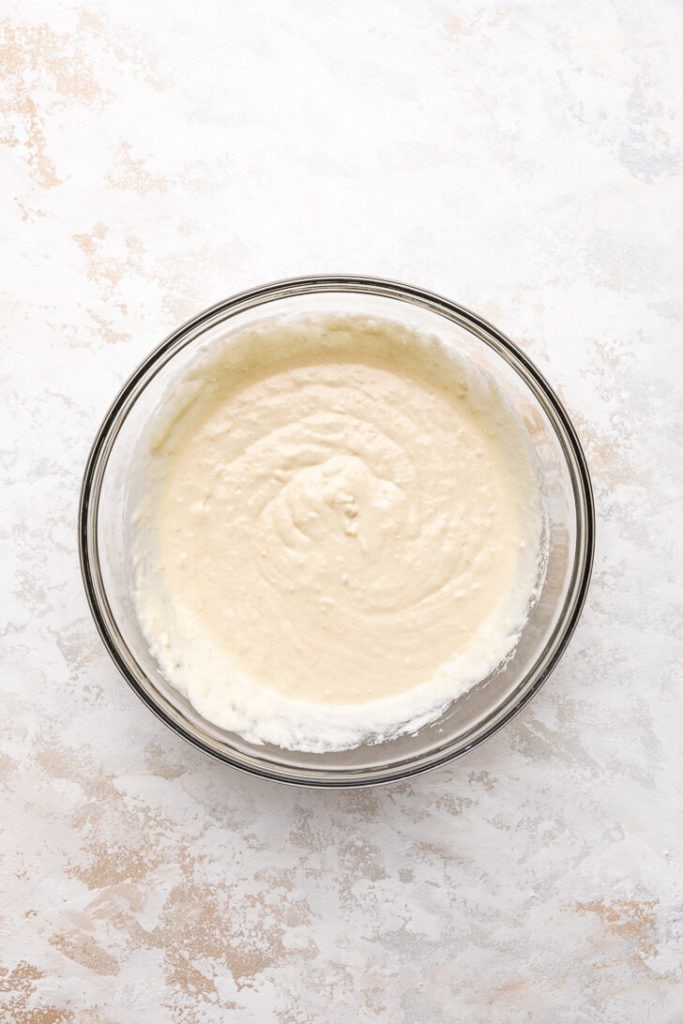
pixel 113 485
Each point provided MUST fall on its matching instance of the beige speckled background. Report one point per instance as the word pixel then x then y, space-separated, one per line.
pixel 524 158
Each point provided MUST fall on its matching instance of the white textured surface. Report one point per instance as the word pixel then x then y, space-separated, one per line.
pixel 523 158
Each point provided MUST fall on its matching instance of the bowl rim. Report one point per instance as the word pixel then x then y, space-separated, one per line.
pixel 186 333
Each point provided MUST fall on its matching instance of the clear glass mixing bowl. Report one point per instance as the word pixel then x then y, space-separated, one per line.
pixel 112 479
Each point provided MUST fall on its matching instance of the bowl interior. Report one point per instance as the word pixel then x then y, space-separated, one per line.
pixel 114 480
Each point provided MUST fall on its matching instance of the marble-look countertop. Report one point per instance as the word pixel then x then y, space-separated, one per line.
pixel 521 157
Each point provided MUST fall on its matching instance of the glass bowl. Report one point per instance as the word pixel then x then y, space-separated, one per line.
pixel 112 478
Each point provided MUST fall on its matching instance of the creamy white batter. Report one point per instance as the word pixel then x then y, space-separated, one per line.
pixel 342 532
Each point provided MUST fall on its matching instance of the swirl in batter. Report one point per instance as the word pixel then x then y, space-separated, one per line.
pixel 344 535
